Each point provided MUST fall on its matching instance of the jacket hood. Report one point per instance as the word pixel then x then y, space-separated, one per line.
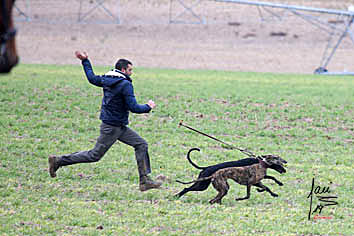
pixel 113 77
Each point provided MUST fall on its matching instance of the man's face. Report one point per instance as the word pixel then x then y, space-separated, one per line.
pixel 128 70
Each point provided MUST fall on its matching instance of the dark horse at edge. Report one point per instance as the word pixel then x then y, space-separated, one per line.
pixel 8 53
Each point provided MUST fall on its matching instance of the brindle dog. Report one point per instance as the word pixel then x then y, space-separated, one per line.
pixel 209 170
pixel 246 175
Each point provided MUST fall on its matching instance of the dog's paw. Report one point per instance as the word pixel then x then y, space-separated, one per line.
pixel 260 190
pixel 212 201
pixel 241 198
pixel 280 183
pixel 275 195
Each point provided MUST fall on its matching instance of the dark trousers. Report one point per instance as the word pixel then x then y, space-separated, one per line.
pixel 108 136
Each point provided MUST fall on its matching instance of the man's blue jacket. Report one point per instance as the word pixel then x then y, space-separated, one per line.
pixel 118 95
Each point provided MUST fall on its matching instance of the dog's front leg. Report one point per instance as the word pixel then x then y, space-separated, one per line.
pixel 260 185
pixel 248 194
pixel 273 178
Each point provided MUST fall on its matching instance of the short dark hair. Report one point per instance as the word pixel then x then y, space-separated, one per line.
pixel 122 64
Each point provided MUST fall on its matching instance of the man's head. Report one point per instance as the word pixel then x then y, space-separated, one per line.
pixel 125 66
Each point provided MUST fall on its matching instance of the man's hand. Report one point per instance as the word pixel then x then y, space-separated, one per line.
pixel 81 56
pixel 151 104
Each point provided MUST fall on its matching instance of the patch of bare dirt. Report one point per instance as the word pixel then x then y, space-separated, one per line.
pixel 233 36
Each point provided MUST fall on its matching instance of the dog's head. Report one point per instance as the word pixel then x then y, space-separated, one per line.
pixel 274 162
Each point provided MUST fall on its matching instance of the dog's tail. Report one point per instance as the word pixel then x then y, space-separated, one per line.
pixel 194 181
pixel 190 161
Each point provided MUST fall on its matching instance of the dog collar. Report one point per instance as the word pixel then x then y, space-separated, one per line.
pixel 263 164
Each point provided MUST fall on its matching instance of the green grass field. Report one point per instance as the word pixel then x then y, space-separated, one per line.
pixel 306 119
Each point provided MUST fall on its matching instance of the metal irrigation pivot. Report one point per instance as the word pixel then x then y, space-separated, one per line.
pixel 332 30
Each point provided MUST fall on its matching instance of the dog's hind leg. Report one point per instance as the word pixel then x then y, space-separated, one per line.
pixel 260 190
pixel 198 186
pixel 222 187
pixel 248 194
pixel 273 178
pixel 263 187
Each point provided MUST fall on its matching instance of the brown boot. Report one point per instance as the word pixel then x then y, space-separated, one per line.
pixel 147 183
pixel 53 166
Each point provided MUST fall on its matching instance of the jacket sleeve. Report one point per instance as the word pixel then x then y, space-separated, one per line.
pixel 92 78
pixel 132 104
